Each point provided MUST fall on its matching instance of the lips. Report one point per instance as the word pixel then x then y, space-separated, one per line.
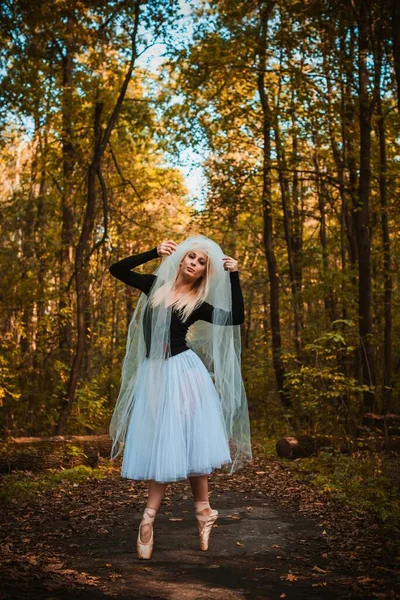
pixel 190 269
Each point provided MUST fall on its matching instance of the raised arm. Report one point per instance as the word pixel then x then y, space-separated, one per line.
pixel 122 270
pixel 205 311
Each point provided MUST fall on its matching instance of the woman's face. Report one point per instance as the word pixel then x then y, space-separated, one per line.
pixel 194 264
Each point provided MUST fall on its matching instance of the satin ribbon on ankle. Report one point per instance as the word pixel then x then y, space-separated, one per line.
pixel 201 505
pixel 147 519
pixel 147 516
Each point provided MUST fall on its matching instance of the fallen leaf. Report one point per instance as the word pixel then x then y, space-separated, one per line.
pixel 289 577
pixel 364 580
pixel 318 569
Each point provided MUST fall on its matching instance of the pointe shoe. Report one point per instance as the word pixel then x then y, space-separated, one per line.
pixel 145 550
pixel 205 523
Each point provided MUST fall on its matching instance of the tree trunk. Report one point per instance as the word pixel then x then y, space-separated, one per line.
pixel 67 226
pixel 329 300
pixel 39 355
pixel 387 343
pixel 349 145
pixel 297 227
pixel 249 319
pixel 287 223
pixel 361 213
pixel 37 454
pixel 83 250
pixel 348 135
pixel 265 10
pixel 305 445
pixel 396 45
pixel 339 157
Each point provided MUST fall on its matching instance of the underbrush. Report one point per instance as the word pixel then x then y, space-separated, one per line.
pixel 23 485
pixel 365 481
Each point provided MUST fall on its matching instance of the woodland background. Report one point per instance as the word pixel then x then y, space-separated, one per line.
pixel 295 108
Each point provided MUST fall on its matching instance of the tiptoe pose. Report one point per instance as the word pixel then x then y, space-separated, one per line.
pixel 182 410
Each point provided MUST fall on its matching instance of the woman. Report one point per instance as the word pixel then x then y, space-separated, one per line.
pixel 170 417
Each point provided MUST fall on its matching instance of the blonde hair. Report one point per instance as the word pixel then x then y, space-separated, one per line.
pixel 187 303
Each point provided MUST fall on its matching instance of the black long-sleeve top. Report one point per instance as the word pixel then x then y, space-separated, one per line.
pixel 178 330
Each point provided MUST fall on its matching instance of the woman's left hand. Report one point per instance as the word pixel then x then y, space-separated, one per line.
pixel 230 264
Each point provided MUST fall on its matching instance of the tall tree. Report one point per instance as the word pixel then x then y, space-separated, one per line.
pixel 84 250
pixel 377 37
pixel 396 44
pixel 362 208
pixel 265 10
pixel 69 159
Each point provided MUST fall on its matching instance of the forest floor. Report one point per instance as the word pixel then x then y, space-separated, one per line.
pixel 275 538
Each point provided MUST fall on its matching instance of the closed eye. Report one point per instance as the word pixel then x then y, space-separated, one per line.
pixel 202 262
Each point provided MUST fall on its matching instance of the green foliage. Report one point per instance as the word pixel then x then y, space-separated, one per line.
pixel 63 65
pixel 365 481
pixel 204 97
pixel 323 392
pixel 8 388
pixel 21 486
pixel 91 412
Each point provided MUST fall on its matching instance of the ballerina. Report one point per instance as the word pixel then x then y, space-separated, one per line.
pixel 172 421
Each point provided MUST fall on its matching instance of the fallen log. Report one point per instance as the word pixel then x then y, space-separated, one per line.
pixel 37 454
pixel 306 445
pixel 389 423
pixel 301 446
pixel 374 443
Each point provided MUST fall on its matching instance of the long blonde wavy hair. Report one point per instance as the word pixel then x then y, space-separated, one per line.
pixel 187 303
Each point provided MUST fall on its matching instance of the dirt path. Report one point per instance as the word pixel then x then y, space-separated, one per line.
pixel 79 542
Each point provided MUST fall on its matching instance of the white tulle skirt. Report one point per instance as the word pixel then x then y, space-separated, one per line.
pixel 186 436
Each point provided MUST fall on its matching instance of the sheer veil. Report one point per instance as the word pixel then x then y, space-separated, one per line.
pixel 218 344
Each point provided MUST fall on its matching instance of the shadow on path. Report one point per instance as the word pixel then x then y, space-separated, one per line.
pixel 256 552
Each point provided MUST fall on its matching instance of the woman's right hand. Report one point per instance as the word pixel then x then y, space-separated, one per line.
pixel 166 248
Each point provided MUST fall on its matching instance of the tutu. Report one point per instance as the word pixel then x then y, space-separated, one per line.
pixel 186 435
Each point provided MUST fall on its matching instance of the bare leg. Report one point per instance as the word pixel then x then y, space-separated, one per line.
pixel 155 496
pixel 199 485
